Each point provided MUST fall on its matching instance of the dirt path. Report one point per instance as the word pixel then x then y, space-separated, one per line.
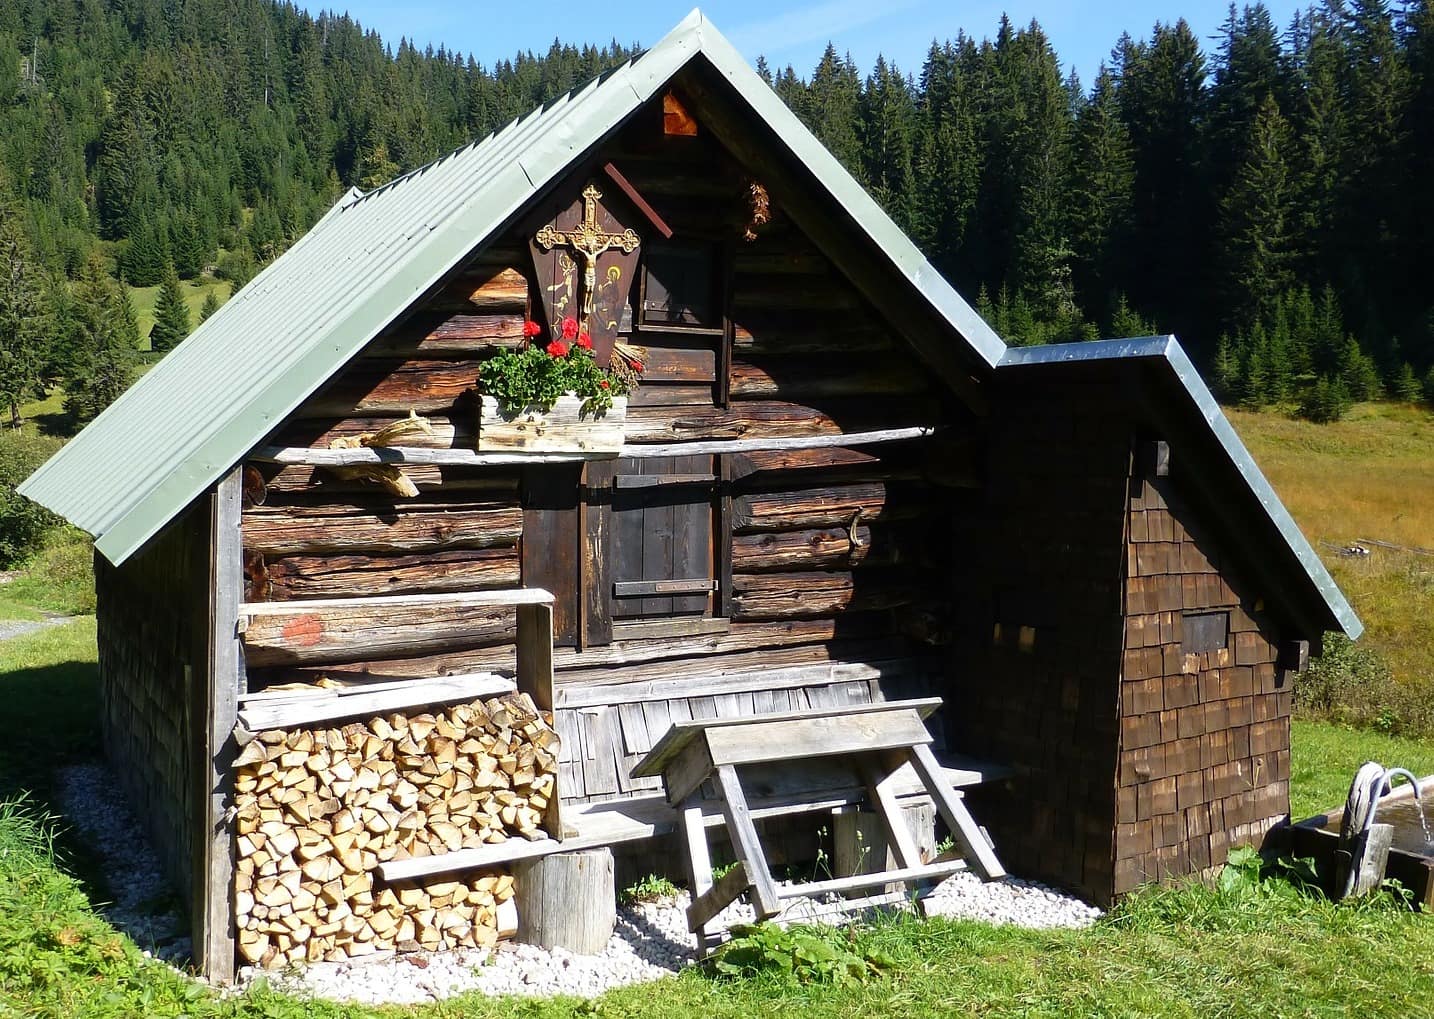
pixel 19 627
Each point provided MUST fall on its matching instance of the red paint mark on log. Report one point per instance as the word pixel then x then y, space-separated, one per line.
pixel 304 631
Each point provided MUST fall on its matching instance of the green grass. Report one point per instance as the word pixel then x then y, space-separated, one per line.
pixel 194 291
pixel 1325 758
pixel 11 610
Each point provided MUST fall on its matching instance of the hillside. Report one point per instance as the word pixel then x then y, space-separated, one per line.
pixel 1367 479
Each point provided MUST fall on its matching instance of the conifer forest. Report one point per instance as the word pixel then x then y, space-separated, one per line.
pixel 1264 195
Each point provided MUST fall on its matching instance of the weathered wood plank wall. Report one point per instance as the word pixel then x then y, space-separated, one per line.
pixel 152 619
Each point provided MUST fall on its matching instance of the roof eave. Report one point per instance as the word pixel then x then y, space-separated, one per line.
pixel 1166 351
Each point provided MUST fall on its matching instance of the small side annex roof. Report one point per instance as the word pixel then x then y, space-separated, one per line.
pixel 1237 490
pixel 216 395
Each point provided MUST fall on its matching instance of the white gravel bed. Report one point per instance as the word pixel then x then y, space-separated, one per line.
pixel 651 939
pixel 144 905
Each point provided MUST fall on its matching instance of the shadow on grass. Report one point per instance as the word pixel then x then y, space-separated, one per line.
pixel 53 715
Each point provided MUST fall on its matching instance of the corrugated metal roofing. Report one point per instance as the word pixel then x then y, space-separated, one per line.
pixel 212 398
pixel 1167 349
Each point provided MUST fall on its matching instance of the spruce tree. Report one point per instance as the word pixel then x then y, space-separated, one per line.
pixel 171 316
pixel 1102 177
pixel 1253 220
pixel 1406 385
pixel 22 325
pixel 104 341
pixel 210 306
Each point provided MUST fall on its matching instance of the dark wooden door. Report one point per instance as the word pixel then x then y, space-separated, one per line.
pixel 662 547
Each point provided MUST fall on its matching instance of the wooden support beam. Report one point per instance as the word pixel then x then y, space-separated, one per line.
pixel 699 867
pixel 635 197
pixel 513 596
pixel 746 844
pixel 469 458
pixel 717 898
pixel 857 882
pixel 213 921
pixel 964 828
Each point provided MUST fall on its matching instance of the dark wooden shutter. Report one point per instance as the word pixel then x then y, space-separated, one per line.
pixel 662 545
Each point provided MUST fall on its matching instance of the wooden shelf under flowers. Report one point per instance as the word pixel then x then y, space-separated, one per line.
pixel 554 397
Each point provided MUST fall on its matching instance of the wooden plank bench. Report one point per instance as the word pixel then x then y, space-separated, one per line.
pixel 881 738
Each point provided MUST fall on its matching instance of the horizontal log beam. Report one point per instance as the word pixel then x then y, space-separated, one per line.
pixel 794 595
pixel 381 386
pixel 822 548
pixel 308 478
pixel 294 577
pixel 511 598
pixel 795 377
pixel 458 334
pixel 833 506
pixel 401 528
pixel 312 635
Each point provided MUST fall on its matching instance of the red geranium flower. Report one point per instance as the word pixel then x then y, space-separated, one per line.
pixel 558 348
pixel 585 341
pixel 531 329
pixel 604 383
pixel 570 328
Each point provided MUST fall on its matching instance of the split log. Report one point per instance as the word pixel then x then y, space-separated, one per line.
pixel 381 386
pixel 823 548
pixel 824 507
pixel 346 633
pixel 567 900
pixel 778 419
pixel 796 377
pixel 365 527
pixel 317 810
pixel 301 576
pixel 487 289
pixel 459 334
pixel 305 479
pixel 795 595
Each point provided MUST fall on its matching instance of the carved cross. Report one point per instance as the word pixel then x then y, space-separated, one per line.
pixel 588 242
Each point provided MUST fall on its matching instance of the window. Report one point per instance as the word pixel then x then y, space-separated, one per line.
pixel 680 287
pixel 1205 631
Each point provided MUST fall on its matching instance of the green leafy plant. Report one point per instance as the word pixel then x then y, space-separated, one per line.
pixel 648 889
pixel 540 373
pixel 808 955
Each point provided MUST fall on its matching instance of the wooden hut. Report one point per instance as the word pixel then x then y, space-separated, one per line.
pixel 334 701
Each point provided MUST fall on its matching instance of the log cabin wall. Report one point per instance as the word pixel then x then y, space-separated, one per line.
pixel 1205 726
pixel 152 619
pixel 821 556
pixel 1035 669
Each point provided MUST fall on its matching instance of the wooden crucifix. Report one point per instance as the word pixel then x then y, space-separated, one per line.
pixel 587 240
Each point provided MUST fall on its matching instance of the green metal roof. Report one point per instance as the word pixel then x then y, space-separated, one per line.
pixel 242 372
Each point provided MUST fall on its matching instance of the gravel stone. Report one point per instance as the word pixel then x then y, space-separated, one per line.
pixel 650 940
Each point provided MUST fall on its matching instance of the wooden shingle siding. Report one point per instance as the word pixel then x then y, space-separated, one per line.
pixel 1204 737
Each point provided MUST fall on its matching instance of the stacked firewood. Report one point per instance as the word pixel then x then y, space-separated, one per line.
pixel 318 809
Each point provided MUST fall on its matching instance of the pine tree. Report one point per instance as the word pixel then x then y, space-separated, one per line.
pixel 210 306
pixel 1254 214
pixel 22 325
pixel 103 340
pixel 1406 385
pixel 1126 322
pixel 833 109
pixel 1228 375
pixel 145 256
pixel 171 316
pixel 1102 177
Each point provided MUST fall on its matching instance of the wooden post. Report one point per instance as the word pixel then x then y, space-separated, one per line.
pixel 213 887
pixel 1372 857
pixel 860 844
pixel 566 900
pixel 535 678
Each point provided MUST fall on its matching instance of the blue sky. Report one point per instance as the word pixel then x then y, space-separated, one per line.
pixel 793 32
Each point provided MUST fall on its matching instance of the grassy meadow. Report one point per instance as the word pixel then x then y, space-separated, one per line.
pixel 195 291
pixel 1369 477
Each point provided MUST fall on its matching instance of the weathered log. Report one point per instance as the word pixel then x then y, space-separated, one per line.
pixel 503 289
pixel 798 595
pixel 778 419
pixel 457 334
pixel 823 548
pixel 567 900
pixel 294 479
pixel 818 292
pixel 776 333
pixel 300 576
pixel 837 505
pixel 364 527
pixel 777 461
pixel 678 364
pixel 362 632
pixel 381 386
pixel 794 377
